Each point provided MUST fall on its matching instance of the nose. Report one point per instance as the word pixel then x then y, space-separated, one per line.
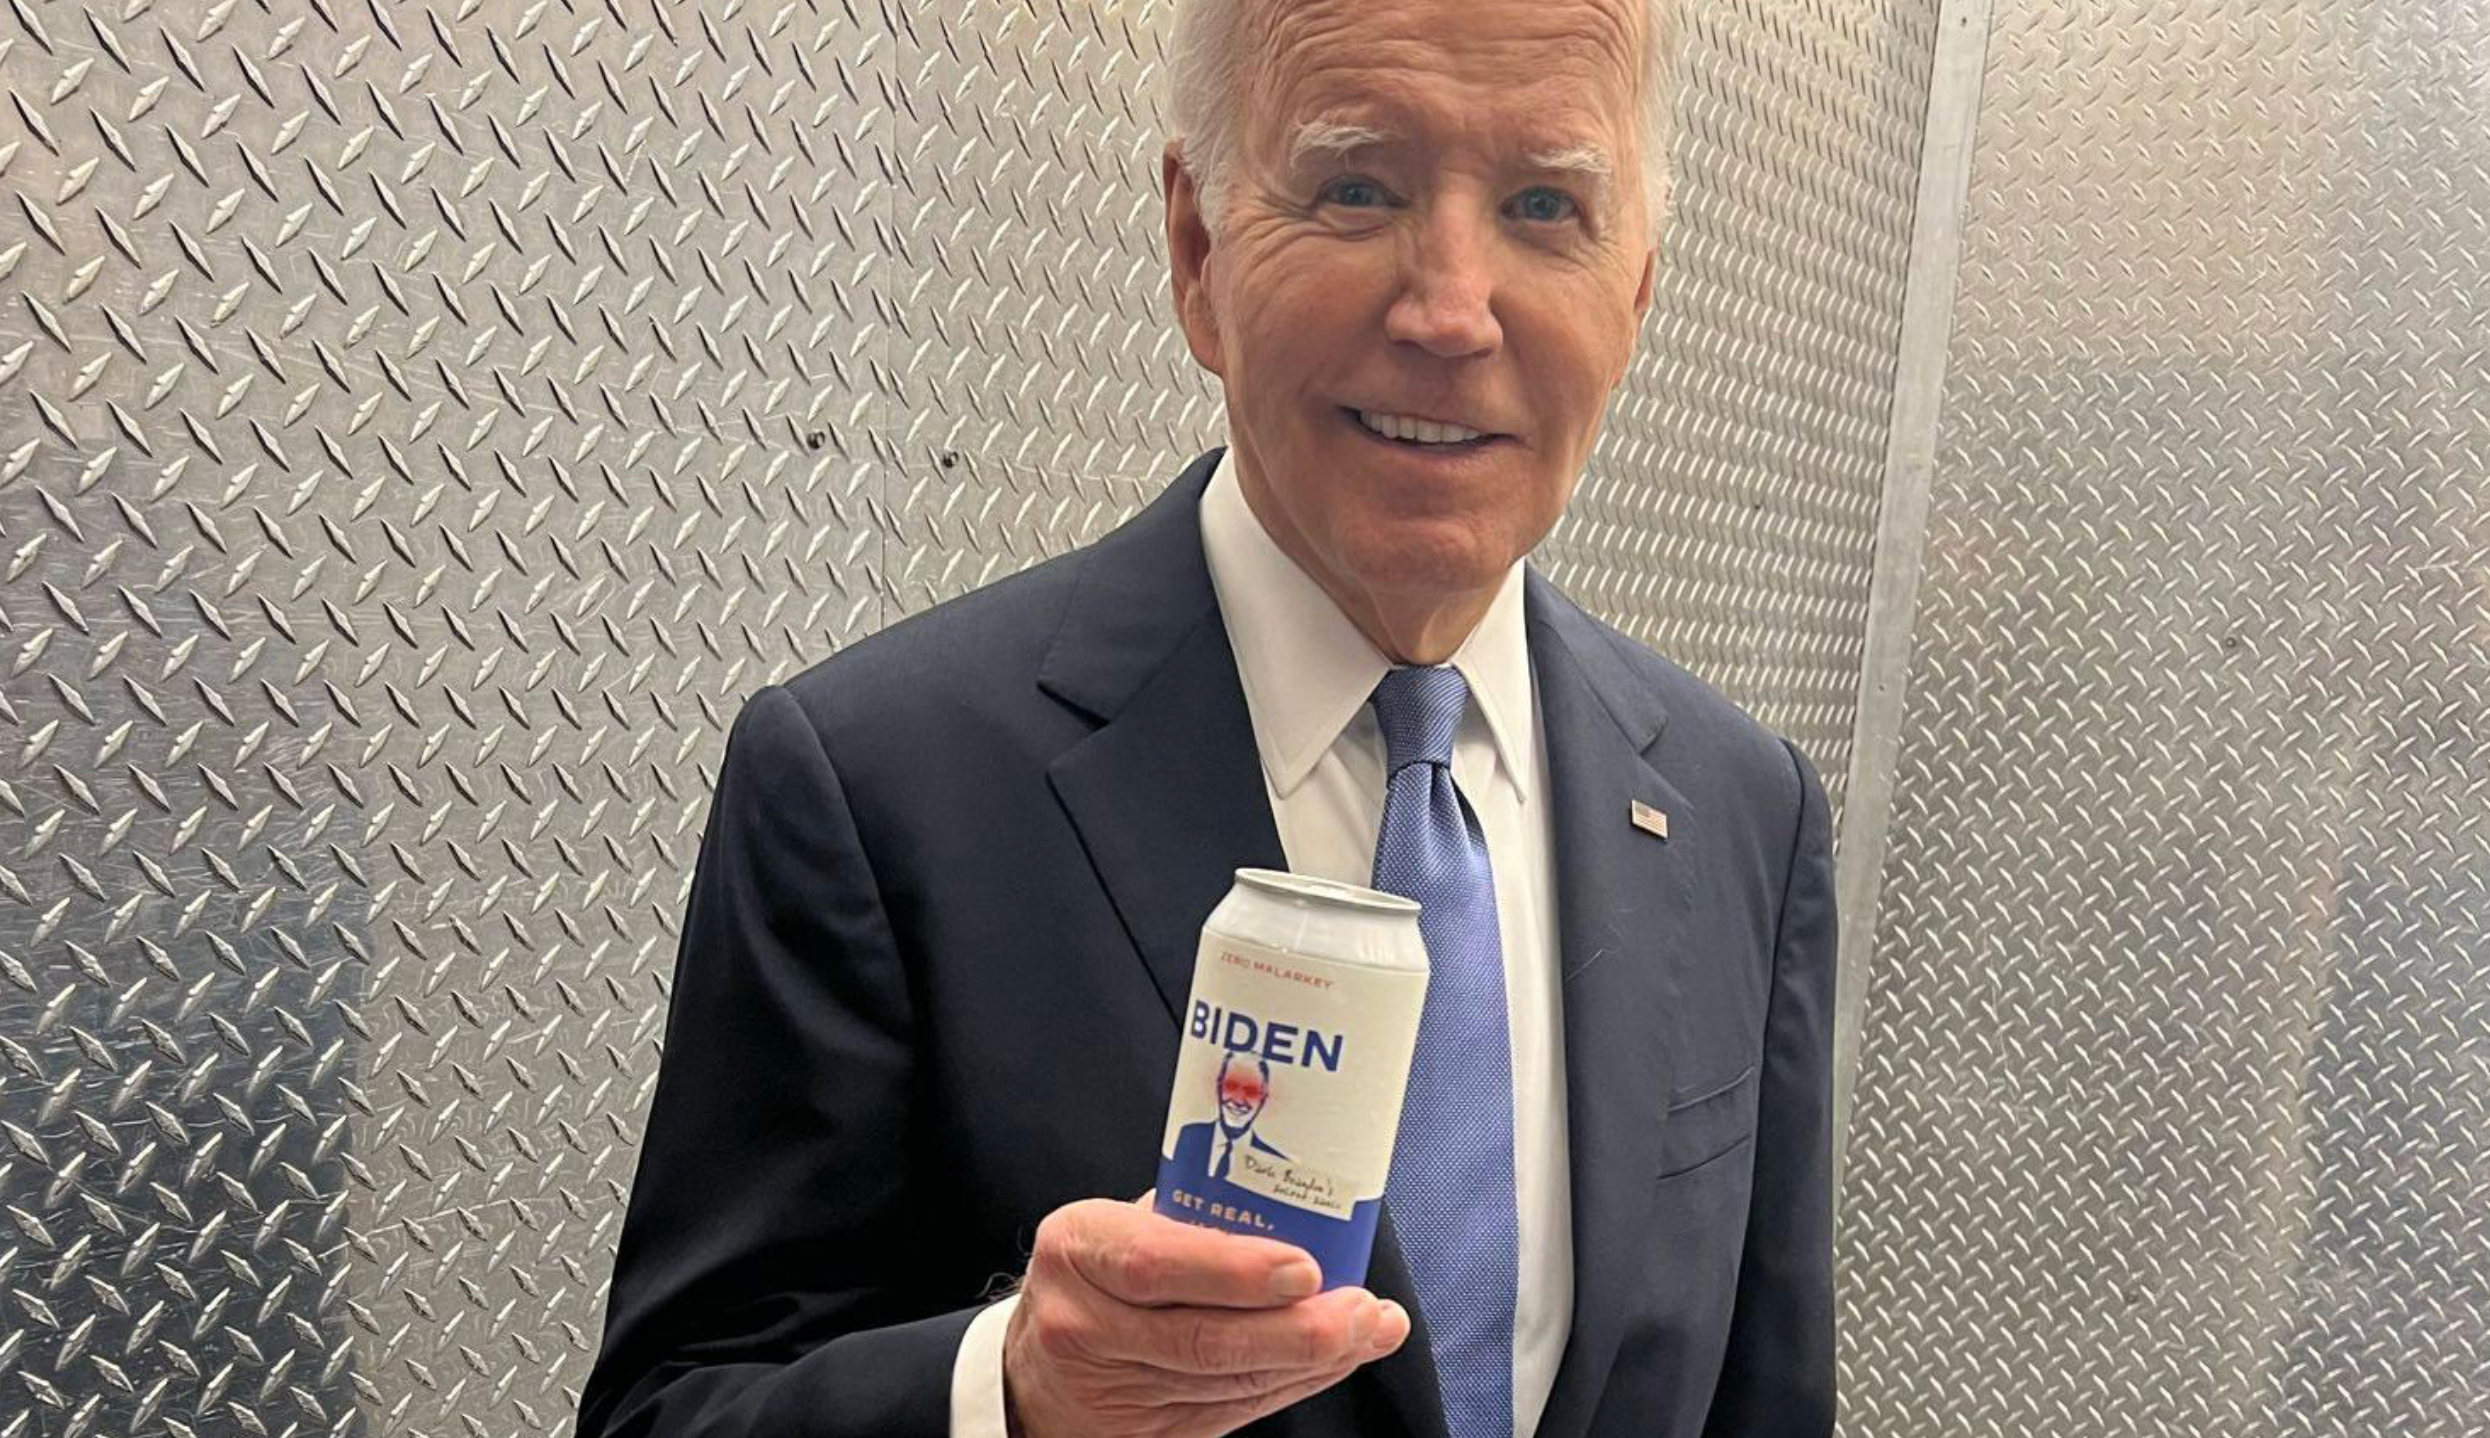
pixel 1446 304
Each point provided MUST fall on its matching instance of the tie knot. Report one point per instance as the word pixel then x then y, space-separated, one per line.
pixel 1419 710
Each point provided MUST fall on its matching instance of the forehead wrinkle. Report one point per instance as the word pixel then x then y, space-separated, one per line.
pixel 1579 41
pixel 1538 125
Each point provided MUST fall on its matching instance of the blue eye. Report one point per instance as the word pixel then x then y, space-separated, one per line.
pixel 1355 192
pixel 1543 205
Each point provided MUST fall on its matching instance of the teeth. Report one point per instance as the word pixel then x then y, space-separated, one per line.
pixel 1420 431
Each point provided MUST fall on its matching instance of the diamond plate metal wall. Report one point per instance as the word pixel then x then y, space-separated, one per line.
pixel 1042 390
pixel 422 424
pixel 1729 517
pixel 418 427
pixel 2174 1108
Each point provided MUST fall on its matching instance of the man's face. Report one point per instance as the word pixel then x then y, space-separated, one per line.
pixel 1242 1091
pixel 1418 227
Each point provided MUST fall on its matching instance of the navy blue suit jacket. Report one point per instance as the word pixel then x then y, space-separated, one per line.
pixel 943 919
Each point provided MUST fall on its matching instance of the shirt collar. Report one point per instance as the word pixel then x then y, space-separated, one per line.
pixel 1307 670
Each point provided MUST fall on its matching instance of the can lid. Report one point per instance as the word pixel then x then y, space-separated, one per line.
pixel 1326 891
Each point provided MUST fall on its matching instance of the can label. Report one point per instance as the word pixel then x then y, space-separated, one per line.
pixel 1287 1098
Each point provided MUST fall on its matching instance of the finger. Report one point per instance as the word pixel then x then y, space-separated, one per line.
pixel 1148 1385
pixel 1151 1260
pixel 1146 1391
pixel 1139 1386
pixel 1339 1326
pixel 1212 1420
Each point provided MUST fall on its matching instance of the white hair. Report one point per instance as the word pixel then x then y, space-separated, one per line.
pixel 1205 76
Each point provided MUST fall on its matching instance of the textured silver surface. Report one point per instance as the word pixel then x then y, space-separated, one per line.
pixel 2174 1113
pixel 1902 527
pixel 421 425
pixel 1040 388
pixel 418 428
pixel 1729 517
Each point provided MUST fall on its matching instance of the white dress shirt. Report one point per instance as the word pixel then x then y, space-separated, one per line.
pixel 1308 673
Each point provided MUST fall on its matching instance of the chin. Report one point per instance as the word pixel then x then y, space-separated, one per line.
pixel 1423 559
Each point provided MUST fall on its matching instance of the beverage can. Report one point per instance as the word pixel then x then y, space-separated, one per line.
pixel 1292 1059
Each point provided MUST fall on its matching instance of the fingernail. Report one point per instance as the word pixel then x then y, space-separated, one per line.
pixel 1391 1324
pixel 1297 1280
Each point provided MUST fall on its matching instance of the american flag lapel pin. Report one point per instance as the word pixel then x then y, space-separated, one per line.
pixel 1654 822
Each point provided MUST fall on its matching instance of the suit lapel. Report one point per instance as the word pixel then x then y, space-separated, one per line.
pixel 1169 802
pixel 1167 792
pixel 1622 903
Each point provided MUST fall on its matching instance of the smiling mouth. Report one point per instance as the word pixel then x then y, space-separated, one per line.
pixel 1410 432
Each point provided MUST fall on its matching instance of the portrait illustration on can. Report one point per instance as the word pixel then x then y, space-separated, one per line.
pixel 1209 1148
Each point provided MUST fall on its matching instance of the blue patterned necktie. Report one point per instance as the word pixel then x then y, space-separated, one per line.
pixel 1450 1193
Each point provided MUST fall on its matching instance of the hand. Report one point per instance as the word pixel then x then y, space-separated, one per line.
pixel 1132 1325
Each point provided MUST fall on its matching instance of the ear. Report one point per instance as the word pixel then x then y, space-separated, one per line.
pixel 1643 288
pixel 1651 256
pixel 1188 258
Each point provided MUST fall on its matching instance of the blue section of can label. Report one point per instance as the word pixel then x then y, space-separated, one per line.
pixel 1190 1192
pixel 1287 1098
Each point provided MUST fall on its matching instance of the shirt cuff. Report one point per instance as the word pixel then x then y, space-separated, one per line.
pixel 977 1375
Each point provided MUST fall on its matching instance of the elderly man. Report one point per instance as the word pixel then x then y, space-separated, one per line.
pixel 945 911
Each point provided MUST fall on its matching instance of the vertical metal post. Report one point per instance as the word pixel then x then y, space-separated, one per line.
pixel 1893 596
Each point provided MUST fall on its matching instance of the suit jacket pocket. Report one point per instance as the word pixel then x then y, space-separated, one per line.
pixel 1707 1122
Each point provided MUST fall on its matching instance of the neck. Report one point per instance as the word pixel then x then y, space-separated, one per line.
pixel 1408 628
pixel 1413 633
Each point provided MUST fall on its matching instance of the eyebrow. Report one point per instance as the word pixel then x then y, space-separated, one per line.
pixel 1591 160
pixel 1332 138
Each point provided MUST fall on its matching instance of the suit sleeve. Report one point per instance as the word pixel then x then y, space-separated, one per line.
pixel 1777 1380
pixel 759 1275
